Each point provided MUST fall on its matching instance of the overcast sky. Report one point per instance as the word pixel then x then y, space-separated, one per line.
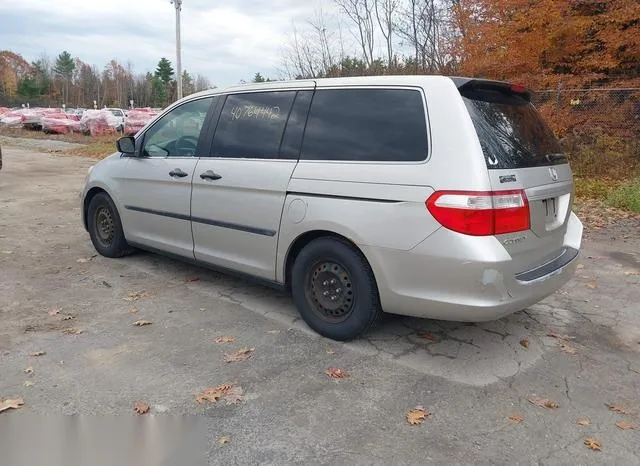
pixel 225 40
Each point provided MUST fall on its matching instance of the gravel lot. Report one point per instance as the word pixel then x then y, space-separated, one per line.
pixel 470 377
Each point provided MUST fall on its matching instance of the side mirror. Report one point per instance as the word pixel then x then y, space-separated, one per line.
pixel 126 145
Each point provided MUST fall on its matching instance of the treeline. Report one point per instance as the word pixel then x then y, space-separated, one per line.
pixel 70 81
pixel 542 43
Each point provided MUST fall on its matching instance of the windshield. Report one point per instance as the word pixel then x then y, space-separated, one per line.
pixel 511 131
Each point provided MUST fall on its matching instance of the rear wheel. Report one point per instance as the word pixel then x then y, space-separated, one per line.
pixel 334 289
pixel 105 227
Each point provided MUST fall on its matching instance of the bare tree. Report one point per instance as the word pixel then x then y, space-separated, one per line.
pixel 295 60
pixel 311 51
pixel 202 83
pixel 386 15
pixel 425 25
pixel 361 13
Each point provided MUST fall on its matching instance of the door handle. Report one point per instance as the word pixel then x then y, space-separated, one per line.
pixel 177 173
pixel 210 175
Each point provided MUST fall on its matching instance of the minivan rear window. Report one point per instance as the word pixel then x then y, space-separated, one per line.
pixel 511 131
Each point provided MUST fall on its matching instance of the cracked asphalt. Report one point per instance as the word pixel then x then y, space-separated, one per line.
pixel 471 377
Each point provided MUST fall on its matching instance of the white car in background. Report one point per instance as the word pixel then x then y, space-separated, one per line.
pixel 119 114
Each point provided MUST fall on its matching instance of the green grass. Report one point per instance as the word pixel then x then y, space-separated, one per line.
pixel 626 196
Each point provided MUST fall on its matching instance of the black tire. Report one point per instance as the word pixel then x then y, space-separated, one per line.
pixel 321 263
pixel 105 227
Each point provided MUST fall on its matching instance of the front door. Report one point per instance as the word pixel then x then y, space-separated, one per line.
pixel 239 190
pixel 156 186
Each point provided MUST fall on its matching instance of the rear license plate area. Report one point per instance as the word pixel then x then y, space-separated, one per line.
pixel 551 210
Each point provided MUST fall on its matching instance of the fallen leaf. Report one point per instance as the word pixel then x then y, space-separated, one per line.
pixel 53 312
pixel 133 309
pixel 592 285
pixel 516 418
pixel 580 266
pixel 428 336
pixel 240 355
pixel 224 440
pixel 524 342
pixel 617 409
pixel 543 402
pixel 568 348
pixel 593 443
pixel 11 404
pixel 212 394
pixel 86 259
pixel 28 383
pixel 225 340
pixel 135 295
pixel 141 407
pixel 72 331
pixel 329 350
pixel 552 334
pixel 417 415
pixel 337 373
pixel 67 317
pixel 192 280
pixel 631 273
pixel 28 370
pixel 583 421
pixel 142 322
pixel 234 395
pixel 7 252
pixel 270 331
pixel 35 354
pixel 625 425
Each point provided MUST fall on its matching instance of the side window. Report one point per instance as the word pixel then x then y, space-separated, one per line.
pixel 251 125
pixel 377 125
pixel 176 134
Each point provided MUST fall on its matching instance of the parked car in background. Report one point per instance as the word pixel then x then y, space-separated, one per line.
pixel 99 122
pixel 75 112
pixel 428 196
pixel 120 115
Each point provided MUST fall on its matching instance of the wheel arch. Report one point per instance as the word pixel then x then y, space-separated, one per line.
pixel 307 237
pixel 87 200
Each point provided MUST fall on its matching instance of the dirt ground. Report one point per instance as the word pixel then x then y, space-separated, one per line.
pixel 471 377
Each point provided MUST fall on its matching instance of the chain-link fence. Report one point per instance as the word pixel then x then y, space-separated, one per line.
pixel 598 128
pixel 573 112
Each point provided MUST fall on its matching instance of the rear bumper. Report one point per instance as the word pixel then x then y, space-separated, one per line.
pixel 450 276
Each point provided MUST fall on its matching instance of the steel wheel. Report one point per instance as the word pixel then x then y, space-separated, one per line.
pixel 105 227
pixel 330 291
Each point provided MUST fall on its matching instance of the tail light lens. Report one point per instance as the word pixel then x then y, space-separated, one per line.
pixel 480 213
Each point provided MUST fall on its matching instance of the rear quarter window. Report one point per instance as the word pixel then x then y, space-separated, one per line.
pixel 512 133
pixel 377 125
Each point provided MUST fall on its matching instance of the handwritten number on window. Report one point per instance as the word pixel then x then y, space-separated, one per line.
pixel 255 112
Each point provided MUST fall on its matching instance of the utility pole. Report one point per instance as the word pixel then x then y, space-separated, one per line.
pixel 178 5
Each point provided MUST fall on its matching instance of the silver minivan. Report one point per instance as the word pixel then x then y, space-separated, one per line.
pixel 429 196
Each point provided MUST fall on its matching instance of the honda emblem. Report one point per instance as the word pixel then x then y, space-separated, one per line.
pixel 554 173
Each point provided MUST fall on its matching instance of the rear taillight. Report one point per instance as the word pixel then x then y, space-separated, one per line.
pixel 480 213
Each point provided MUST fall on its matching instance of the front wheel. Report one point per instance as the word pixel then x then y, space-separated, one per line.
pixel 334 289
pixel 105 227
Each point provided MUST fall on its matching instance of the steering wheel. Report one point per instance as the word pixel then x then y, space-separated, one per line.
pixel 186 145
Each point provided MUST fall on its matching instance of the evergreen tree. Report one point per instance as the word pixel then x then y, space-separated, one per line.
pixel 64 67
pixel 164 71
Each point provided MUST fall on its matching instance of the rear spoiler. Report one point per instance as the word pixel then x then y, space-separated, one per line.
pixel 473 84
